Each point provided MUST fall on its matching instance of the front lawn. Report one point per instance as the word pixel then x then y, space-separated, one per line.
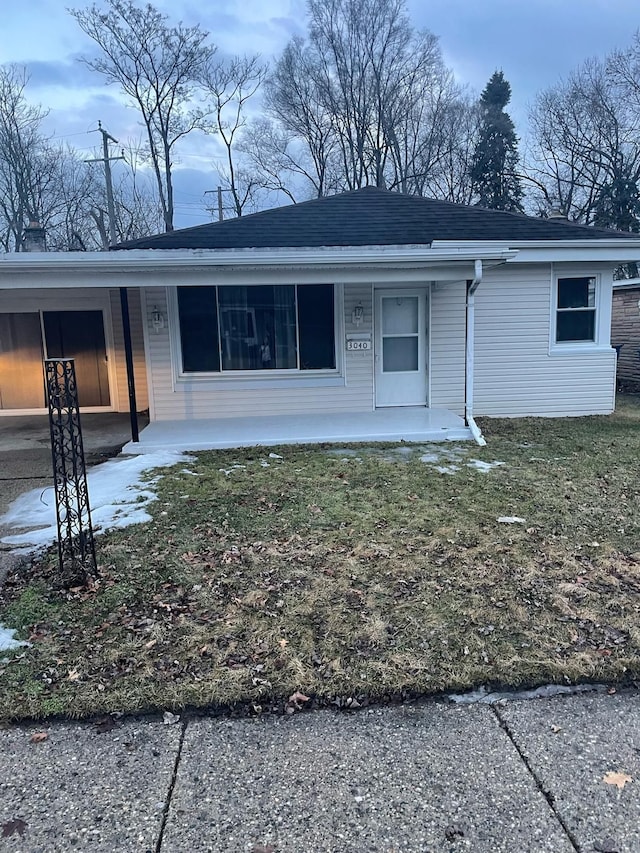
pixel 350 574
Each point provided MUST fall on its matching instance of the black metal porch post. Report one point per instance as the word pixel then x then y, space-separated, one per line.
pixel 128 355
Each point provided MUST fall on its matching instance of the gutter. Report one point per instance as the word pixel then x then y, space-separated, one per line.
pixel 130 260
pixel 472 286
pixel 632 240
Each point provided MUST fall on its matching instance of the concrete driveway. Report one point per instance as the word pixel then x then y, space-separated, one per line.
pixel 25 450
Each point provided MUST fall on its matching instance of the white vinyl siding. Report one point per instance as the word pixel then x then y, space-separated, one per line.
pixel 137 345
pixel 177 398
pixel 517 372
pixel 448 330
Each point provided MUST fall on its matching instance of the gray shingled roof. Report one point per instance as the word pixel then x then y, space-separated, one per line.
pixel 369 217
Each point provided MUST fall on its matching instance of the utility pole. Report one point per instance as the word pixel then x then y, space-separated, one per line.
pixel 220 190
pixel 106 138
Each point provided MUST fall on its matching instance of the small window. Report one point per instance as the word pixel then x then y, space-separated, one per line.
pixel 576 310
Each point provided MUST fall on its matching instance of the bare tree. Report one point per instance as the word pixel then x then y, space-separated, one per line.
pixel 25 158
pixel 450 179
pixel 303 140
pixel 584 142
pixel 137 207
pixel 364 100
pixel 157 66
pixel 229 85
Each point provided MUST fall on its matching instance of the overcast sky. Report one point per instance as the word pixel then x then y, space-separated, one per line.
pixel 534 42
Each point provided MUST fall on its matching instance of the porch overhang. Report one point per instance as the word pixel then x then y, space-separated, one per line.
pixel 410 424
pixel 142 267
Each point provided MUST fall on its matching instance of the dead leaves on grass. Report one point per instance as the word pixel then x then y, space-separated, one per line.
pixel 295 702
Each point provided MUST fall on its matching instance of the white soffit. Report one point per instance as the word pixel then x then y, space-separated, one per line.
pixel 115 269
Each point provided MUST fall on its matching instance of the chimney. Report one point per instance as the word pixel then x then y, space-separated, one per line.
pixel 34 239
pixel 557 213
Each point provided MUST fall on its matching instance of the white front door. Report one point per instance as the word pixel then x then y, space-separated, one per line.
pixel 400 348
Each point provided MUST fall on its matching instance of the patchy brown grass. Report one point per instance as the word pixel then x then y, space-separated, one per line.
pixel 365 574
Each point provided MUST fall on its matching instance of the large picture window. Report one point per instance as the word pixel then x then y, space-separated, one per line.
pixel 265 327
pixel 576 310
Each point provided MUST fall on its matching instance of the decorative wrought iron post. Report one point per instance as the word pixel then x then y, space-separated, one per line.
pixel 76 548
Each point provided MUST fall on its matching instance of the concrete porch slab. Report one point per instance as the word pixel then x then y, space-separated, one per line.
pixel 415 424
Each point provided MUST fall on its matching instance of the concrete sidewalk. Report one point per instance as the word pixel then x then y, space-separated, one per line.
pixel 517 776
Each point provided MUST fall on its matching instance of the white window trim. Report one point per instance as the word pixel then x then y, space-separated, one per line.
pixel 602 318
pixel 254 379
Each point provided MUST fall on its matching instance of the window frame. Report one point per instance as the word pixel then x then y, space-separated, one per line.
pixel 273 377
pixel 601 335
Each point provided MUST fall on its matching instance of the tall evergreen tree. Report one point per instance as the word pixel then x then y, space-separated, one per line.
pixel 494 167
pixel 617 204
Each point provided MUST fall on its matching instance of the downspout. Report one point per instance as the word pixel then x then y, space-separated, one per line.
pixel 472 286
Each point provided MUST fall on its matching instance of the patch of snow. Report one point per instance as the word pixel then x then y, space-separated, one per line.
pixel 118 497
pixel 228 471
pixel 447 469
pixel 7 640
pixel 483 695
pixel 483 466
pixel 511 519
pixel 275 456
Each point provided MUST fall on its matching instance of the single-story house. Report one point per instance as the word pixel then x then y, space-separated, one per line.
pixel 625 331
pixel 369 314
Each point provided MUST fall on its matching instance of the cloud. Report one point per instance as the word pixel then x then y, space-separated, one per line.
pixel 69 74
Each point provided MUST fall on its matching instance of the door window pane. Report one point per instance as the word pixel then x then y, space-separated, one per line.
pixel 399 315
pixel 399 354
pixel 258 327
pixel 316 327
pixel 198 313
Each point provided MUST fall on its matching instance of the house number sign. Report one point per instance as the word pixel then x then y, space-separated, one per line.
pixel 360 341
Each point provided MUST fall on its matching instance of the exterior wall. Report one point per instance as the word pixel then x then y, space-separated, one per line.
pixel 137 341
pixel 178 398
pixel 90 299
pixel 517 370
pixel 448 323
pixel 625 330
